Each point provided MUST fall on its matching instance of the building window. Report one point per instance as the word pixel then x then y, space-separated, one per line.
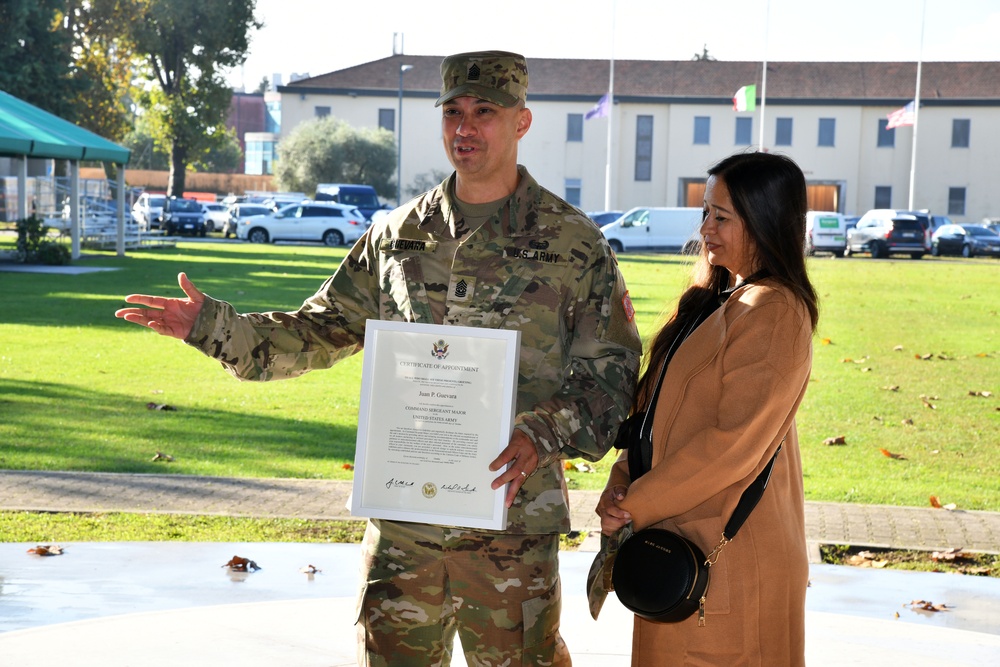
pixel 272 119
pixel 783 132
pixel 574 127
pixel 259 157
pixel 322 112
pixel 956 201
pixel 573 187
pixel 886 137
pixel 827 130
pixel 702 130
pixel 883 196
pixel 960 132
pixel 387 119
pixel 644 148
pixel 744 131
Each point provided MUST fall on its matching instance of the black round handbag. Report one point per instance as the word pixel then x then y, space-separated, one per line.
pixel 660 576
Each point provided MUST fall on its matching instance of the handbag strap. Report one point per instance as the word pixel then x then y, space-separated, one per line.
pixel 751 496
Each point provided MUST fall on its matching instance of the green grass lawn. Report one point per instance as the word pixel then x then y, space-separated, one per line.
pixel 75 382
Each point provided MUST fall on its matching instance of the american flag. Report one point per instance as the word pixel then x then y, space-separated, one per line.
pixel 900 117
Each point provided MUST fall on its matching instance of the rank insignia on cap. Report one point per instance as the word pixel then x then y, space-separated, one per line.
pixel 629 309
pixel 473 73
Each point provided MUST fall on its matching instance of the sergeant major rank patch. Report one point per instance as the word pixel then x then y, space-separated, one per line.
pixel 461 288
pixel 628 307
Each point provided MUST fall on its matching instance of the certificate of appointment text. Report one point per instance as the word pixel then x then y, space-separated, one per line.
pixel 436 408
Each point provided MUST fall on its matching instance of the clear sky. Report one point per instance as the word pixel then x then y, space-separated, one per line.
pixel 319 36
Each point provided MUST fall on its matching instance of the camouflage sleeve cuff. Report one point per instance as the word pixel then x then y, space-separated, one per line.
pixel 546 445
pixel 212 311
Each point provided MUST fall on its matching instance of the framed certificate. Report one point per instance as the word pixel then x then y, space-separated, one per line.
pixel 437 406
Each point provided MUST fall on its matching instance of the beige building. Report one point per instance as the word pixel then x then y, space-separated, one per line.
pixel 672 119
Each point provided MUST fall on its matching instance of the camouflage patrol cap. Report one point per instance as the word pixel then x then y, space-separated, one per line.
pixel 495 76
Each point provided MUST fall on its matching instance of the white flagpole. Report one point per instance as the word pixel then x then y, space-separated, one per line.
pixel 763 79
pixel 611 110
pixel 916 109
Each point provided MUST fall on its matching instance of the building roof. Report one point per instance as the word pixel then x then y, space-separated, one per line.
pixel 692 80
pixel 26 130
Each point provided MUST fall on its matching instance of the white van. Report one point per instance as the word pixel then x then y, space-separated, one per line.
pixel 826 231
pixel 646 228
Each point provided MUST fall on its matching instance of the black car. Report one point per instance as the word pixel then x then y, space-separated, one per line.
pixel 884 237
pixel 965 240
pixel 183 216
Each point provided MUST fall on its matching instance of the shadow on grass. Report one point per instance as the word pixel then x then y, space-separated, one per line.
pixel 245 279
pixel 54 426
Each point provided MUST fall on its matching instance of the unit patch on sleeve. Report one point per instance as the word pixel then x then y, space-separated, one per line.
pixel 629 309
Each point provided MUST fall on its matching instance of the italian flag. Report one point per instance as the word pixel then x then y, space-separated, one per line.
pixel 745 99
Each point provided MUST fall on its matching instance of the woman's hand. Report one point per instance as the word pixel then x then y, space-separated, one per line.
pixel 613 516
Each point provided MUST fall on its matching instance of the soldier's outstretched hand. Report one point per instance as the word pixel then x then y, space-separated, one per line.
pixel 167 316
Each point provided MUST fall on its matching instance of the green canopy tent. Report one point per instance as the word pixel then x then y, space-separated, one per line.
pixel 29 132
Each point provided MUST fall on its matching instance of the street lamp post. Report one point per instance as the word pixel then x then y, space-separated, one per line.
pixel 403 69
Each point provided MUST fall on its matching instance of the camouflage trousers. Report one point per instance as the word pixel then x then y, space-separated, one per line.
pixel 423 584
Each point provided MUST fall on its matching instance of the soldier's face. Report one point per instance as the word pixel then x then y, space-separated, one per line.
pixel 481 138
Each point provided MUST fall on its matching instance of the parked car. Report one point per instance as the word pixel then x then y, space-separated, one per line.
pixel 328 223
pixel 851 221
pixel 602 218
pixel 239 211
pixel 363 197
pixel 886 214
pixel 183 216
pixel 147 210
pixel 670 229
pixel 883 237
pixel 965 240
pixel 826 231
pixel 215 216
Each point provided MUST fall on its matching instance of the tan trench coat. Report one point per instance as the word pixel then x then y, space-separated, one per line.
pixel 729 397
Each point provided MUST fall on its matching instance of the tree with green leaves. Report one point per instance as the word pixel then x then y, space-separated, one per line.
pixel 185 46
pixel 328 150
pixel 35 55
pixel 103 64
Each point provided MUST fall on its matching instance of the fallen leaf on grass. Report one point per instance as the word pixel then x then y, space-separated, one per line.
pixel 936 502
pixel 159 406
pixel 348 466
pixel 867 559
pixel 240 564
pixel 160 456
pixel 580 467
pixel 891 387
pixel 839 440
pixel 825 341
pixel 928 404
pixel 866 369
pixel 886 452
pixel 984 394
pixel 46 550
pixel 898 348
pixel 924 357
pixel 949 555
pixel 907 422
pixel 926 605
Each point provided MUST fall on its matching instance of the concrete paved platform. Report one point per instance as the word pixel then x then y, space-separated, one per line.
pixel 153 604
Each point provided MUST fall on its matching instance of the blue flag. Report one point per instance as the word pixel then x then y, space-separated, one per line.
pixel 601 109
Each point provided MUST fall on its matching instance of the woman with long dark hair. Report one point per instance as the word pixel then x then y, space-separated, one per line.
pixel 722 382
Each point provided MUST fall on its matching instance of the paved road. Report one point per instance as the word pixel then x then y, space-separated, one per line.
pixel 826 523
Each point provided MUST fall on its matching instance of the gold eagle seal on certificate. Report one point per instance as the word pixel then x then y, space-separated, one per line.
pixel 439 350
pixel 429 490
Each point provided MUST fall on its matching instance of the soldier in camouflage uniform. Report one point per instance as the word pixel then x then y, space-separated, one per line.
pixel 488 247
